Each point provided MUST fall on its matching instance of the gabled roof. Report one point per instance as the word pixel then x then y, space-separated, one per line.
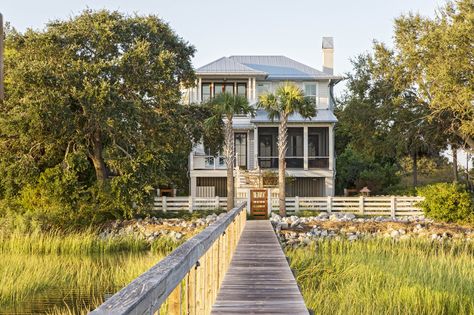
pixel 272 67
pixel 226 65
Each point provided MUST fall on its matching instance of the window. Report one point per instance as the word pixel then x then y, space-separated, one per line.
pixel 218 88
pixel 318 147
pixel 310 90
pixel 229 88
pixel 267 147
pixel 241 149
pixel 206 91
pixel 223 87
pixel 294 154
pixel 242 89
pixel 263 88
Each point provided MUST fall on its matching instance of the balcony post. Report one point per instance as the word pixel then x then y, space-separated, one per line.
pixel 199 82
pixel 331 147
pixel 255 147
pixel 305 148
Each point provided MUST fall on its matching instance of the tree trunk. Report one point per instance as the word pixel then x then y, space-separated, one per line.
pixel 229 160
pixel 415 169
pixel 454 150
pixel 282 147
pixel 97 158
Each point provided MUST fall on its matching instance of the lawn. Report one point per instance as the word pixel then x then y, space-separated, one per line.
pixel 386 277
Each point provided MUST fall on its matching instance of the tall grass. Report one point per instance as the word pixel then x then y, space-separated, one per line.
pixel 70 273
pixel 78 243
pixel 386 277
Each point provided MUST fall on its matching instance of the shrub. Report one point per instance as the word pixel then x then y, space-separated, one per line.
pixel 447 202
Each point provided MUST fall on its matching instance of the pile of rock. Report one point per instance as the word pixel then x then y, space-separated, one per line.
pixel 300 231
pixel 152 228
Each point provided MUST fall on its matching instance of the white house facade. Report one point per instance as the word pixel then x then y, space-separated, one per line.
pixel 310 157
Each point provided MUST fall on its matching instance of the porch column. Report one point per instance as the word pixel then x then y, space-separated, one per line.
pixel 255 147
pixel 254 93
pixel 331 147
pixel 198 87
pixel 192 188
pixel 305 147
pixel 249 90
pixel 329 186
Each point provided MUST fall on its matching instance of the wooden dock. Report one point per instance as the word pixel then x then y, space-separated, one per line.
pixel 259 280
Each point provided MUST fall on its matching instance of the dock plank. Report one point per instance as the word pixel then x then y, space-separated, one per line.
pixel 259 280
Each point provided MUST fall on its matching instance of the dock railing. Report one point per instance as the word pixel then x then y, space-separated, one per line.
pixel 187 280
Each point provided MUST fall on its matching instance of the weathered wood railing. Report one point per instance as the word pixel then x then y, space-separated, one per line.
pixel 373 205
pixel 187 280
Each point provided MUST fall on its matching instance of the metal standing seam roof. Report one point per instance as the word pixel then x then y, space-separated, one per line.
pixel 273 67
pixel 227 66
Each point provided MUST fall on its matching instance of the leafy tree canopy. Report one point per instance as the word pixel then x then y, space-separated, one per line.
pixel 96 98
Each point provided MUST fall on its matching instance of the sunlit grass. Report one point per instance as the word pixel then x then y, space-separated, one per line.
pixel 386 277
pixel 56 273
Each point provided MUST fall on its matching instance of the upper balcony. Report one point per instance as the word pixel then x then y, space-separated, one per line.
pixel 308 148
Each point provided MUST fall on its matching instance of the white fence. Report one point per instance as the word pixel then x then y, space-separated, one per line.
pixel 385 205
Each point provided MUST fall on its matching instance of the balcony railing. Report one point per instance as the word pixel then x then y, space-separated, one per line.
pixel 318 162
pixel 296 162
pixel 208 162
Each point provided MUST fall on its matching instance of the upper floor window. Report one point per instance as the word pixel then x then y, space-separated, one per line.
pixel 310 90
pixel 223 87
pixel 242 89
pixel 206 91
pixel 263 88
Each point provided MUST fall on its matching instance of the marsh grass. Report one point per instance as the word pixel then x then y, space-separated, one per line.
pixel 386 277
pixel 70 273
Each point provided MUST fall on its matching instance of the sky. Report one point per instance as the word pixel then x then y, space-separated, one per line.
pixel 258 27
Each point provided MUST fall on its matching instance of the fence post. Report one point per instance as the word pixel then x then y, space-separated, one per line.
pixel 217 202
pixel 329 204
pixel 297 205
pixel 269 201
pixel 361 204
pixel 393 206
pixel 191 204
pixel 163 203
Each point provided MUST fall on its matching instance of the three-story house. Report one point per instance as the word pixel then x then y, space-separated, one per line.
pixel 310 158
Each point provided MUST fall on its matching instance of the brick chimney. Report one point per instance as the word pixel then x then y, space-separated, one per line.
pixel 328 55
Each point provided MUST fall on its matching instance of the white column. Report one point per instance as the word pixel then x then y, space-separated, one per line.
pixel 305 147
pixel 198 87
pixel 331 147
pixel 249 90
pixel 192 184
pixel 329 186
pixel 255 147
pixel 254 88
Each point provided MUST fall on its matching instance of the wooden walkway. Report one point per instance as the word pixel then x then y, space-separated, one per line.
pixel 259 280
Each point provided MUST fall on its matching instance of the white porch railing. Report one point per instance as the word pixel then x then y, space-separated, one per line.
pixel 208 162
pixel 385 205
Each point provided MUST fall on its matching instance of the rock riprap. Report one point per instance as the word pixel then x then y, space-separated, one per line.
pixel 152 228
pixel 300 231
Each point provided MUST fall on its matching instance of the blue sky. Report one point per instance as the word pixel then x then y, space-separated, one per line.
pixel 223 28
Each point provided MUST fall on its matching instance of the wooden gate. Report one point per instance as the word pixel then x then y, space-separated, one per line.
pixel 259 203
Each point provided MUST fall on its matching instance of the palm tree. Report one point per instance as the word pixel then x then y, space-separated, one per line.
pixel 225 106
pixel 287 99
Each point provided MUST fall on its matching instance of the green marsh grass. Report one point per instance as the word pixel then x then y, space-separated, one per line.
pixel 70 273
pixel 386 277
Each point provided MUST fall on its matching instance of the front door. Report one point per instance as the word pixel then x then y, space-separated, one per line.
pixel 259 203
